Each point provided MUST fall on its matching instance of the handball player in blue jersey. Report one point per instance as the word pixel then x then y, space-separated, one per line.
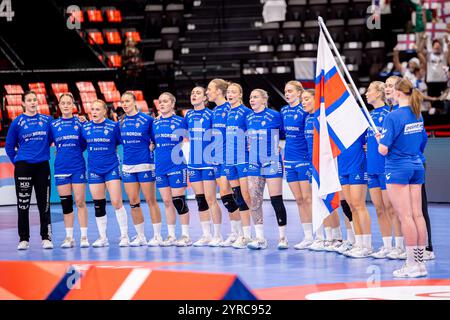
pixel 331 223
pixel 375 168
pixel 264 129
pixel 402 142
pixel 138 169
pixel 216 91
pixel 168 132
pixel 236 164
pixel 70 169
pixel 102 137
pixel 200 166
pixel 28 148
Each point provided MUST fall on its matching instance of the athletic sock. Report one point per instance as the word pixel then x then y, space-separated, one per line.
pixel 83 232
pixel 337 233
pixel 101 225
pixel 206 228
pixel 69 233
pixel 387 242
pixel 217 230
pixel 359 240
pixel 282 231
pixel 399 243
pixel 367 241
pixel 157 229
pixel 247 230
pixel 259 230
pixel 171 230
pixel 351 236
pixel 328 234
pixel 122 219
pixel 185 230
pixel 308 231
pixel 140 229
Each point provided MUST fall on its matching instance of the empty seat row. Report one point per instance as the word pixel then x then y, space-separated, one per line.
pixel 334 9
pixel 112 36
pixel 95 15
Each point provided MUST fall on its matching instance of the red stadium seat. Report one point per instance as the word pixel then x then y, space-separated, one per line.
pixel 13 100
pixel 112 14
pixel 114 59
pixel 88 96
pixel 76 15
pixel 142 106
pixel 438 127
pixel 112 36
pixel 38 87
pixel 133 34
pixel 87 107
pixel 85 86
pixel 13 89
pixel 41 98
pixel 43 109
pixel 14 111
pixel 138 94
pixel 60 88
pixel 94 14
pixel 112 96
pixel 106 86
pixel 95 37
pixel 116 105
pixel 442 133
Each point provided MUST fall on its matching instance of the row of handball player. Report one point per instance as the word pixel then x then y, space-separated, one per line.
pixel 152 156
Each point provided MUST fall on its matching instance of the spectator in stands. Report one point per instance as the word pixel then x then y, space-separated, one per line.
pixel 131 59
pixel 445 97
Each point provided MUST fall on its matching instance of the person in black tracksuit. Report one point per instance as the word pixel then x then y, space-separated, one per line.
pixel 28 147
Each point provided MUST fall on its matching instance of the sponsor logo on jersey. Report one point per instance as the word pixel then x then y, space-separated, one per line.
pixel 263 123
pixel 388 176
pixel 106 132
pixel 413 128
pixel 178 181
pixel 295 117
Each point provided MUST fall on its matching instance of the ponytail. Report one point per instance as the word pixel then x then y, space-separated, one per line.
pixel 415 102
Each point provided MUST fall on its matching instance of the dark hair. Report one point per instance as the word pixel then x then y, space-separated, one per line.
pixel 26 93
pixel 66 94
pixel 436 40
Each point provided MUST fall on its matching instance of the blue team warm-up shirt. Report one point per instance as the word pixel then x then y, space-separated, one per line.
pixel 67 136
pixel 294 127
pixel 135 132
pixel 31 137
pixel 403 134
pixel 102 140
pixel 220 115
pixel 199 125
pixel 375 161
pixel 236 127
pixel 264 130
pixel 168 134
pixel 309 134
pixel 353 159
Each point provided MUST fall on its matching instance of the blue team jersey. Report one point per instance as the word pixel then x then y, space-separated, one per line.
pixel 102 140
pixel 67 136
pixel 199 125
pixel 375 161
pixel 353 159
pixel 236 127
pixel 264 130
pixel 403 134
pixel 31 137
pixel 168 134
pixel 294 127
pixel 220 115
pixel 135 132
pixel 309 134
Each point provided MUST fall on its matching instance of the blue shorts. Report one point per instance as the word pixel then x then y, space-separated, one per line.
pixel 144 176
pixel 377 181
pixel 237 171
pixel 94 178
pixel 174 179
pixel 197 175
pixel 219 171
pixel 298 171
pixel 405 176
pixel 70 178
pixel 273 170
pixel 353 179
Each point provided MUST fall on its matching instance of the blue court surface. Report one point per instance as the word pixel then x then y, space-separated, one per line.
pixel 268 273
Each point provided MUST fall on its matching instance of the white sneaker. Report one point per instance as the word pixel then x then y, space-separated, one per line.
pixel 257 244
pixel 336 244
pixel 429 255
pixel 100 243
pixel 228 242
pixel 352 251
pixel 241 242
pixel 139 241
pixel 68 243
pixel 169 242
pixel 202 242
pixel 47 244
pixel 156 241
pixel 423 269
pixel 394 254
pixel 381 253
pixel 84 243
pixel 402 255
pixel 330 245
pixel 283 244
pixel 304 244
pixel 317 245
pixel 361 253
pixel 346 246
pixel 408 271
pixel 124 241
pixel 184 241
pixel 23 245
pixel 216 242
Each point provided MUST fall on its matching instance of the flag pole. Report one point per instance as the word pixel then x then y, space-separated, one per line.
pixel 344 67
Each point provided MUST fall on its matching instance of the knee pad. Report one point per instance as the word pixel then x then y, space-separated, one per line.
pixel 137 205
pixel 280 210
pixel 100 208
pixel 240 202
pixel 67 204
pixel 229 203
pixel 202 203
pixel 347 211
pixel 180 204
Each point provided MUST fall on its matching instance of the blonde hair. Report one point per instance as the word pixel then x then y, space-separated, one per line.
pixel 396 78
pixel 415 96
pixel 103 103
pixel 379 86
pixel 131 94
pixel 263 94
pixel 311 92
pixel 171 96
pixel 237 85
pixel 221 84
pixel 297 85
